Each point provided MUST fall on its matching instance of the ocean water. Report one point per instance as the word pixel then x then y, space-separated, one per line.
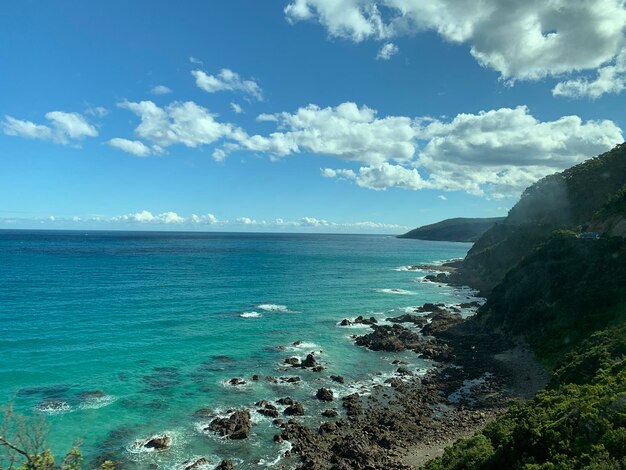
pixel 156 324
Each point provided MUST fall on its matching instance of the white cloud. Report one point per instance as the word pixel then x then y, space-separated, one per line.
pixel 178 123
pixel 246 221
pixel 610 79
pixel 348 132
pixel 385 176
pixel 160 90
pixel 226 80
pixel 28 129
pixel 494 153
pixel 442 197
pixel 193 60
pixel 64 128
pixel 387 51
pixel 520 40
pixel 146 217
pixel 97 111
pixel 135 147
pixel 70 126
pixel 236 108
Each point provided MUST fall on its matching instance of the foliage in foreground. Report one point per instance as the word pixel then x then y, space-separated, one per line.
pixel 23 447
pixel 578 422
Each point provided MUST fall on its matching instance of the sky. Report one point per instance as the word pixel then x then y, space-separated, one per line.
pixel 351 116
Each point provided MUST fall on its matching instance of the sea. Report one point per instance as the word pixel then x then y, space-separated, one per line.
pixel 115 337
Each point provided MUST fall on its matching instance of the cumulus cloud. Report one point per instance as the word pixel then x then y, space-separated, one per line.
pixel 63 128
pixel 184 123
pixel 135 147
pixel 495 153
pixel 387 51
pixel 609 79
pixel 145 217
pixel 28 129
pixel 227 80
pixel 348 132
pixel 246 221
pixel 160 90
pixel 236 108
pixel 520 40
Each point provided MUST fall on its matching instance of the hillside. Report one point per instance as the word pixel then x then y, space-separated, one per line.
pixel 566 296
pixel 567 200
pixel 454 230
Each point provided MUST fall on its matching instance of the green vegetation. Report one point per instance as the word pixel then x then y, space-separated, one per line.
pixel 567 296
pixel 563 291
pixel 578 422
pixel 454 230
pixel 23 447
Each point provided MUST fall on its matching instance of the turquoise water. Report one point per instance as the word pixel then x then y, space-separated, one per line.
pixel 153 321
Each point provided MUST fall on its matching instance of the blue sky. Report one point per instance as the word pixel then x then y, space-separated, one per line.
pixel 298 115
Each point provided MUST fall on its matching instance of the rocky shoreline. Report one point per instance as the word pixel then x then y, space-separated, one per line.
pixel 405 425
pixel 411 418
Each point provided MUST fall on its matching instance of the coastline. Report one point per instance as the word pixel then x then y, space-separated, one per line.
pixel 476 376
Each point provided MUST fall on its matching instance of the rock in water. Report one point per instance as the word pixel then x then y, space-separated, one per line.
pixel 158 442
pixel 309 361
pixel 237 426
pixel 295 410
pixel 225 465
pixel 324 394
pixel 195 464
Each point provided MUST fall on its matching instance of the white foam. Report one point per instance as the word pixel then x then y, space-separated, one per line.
pixel 274 308
pixel 250 315
pixel 97 402
pixel 302 345
pixel 54 407
pixel 285 446
pixel 354 326
pixel 137 447
pixel 405 268
pixel 396 291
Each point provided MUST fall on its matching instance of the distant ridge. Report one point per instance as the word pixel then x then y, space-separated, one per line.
pixel 454 230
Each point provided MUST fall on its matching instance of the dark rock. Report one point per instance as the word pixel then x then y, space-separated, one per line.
pixel 309 361
pixel 195 464
pixel 345 322
pixel 290 380
pixel 237 426
pixel 255 378
pixel 225 465
pixel 440 322
pixel 330 413
pixel 337 378
pixel 325 394
pixel 408 318
pixel 285 401
pixel 404 371
pixel 317 369
pixel 271 379
pixel 237 381
pixel 158 442
pixel 292 361
pixel 295 410
pixel 327 428
pixel 365 321
pixel 270 413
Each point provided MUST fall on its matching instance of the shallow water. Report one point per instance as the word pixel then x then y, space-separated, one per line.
pixel 158 322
